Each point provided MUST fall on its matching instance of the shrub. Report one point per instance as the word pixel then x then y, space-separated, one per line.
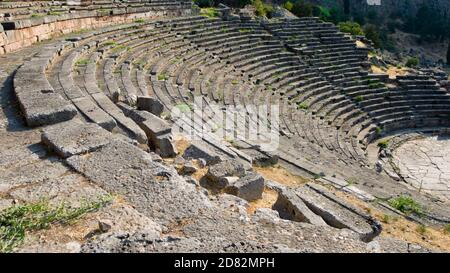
pixel 406 205
pixel 412 62
pixel 262 9
pixel 373 34
pixel 322 12
pixel 359 98
pixel 139 21
pixel 209 12
pixel 378 130
pixel 383 144
pixel 288 5
pixel 352 28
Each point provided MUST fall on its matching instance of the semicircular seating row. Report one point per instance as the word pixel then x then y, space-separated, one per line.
pixel 37 9
pixel 330 106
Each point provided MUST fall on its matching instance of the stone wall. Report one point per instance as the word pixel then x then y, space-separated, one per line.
pixel 15 35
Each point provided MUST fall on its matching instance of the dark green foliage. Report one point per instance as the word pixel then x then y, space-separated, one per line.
pixel 430 23
pixel 262 9
pixel 302 9
pixel 406 205
pixel 373 34
pixel 412 62
pixel 351 27
pixel 204 3
pixel 288 5
pixel 448 54
pixel 383 144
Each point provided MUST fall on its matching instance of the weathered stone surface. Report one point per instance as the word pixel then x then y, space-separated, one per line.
pixel 74 137
pixel 249 187
pixel 188 169
pixel 155 190
pixel 95 113
pixel 150 104
pixel 198 150
pixel 38 101
pixel 228 168
pixel 45 108
pixel 38 171
pixel 291 207
pixel 337 212
pixel 158 131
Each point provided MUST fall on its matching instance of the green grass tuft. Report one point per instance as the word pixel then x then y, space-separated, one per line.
pixel 421 229
pixel 447 228
pixel 82 62
pixel 109 43
pixel 163 77
pixel 303 106
pixel 406 205
pixel 359 98
pixel 209 12
pixel 16 221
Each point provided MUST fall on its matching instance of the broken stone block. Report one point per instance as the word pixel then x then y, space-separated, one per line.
pixel 104 225
pixel 291 207
pixel 74 137
pixel 216 173
pixel 45 108
pixel 150 104
pixel 158 131
pixel 188 169
pixel 250 187
pixel 198 150
pixel 338 213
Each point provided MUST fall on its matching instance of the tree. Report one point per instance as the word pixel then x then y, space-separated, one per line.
pixel 351 27
pixel 448 54
pixel 288 5
pixel 412 62
pixel 262 9
pixel 347 7
pixel 302 9
pixel 373 34
pixel 204 3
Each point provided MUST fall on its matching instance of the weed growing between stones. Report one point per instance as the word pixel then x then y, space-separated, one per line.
pixel 383 144
pixel 447 228
pixel 16 221
pixel 421 229
pixel 209 12
pixel 406 205
pixel 82 62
